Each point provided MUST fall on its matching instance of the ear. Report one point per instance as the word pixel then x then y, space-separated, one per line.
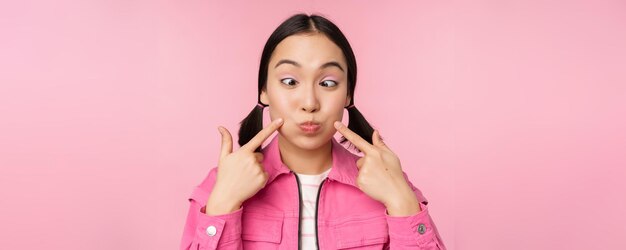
pixel 348 101
pixel 264 99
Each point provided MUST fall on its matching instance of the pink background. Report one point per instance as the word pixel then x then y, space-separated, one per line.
pixel 508 115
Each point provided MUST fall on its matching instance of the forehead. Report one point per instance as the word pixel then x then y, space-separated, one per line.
pixel 310 50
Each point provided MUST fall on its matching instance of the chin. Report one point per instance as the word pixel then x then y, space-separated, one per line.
pixel 309 142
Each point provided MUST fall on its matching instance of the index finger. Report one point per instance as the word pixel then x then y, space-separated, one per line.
pixel 260 137
pixel 357 140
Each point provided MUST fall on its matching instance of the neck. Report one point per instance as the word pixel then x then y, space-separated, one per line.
pixel 305 161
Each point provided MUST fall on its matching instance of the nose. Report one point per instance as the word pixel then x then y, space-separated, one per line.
pixel 309 100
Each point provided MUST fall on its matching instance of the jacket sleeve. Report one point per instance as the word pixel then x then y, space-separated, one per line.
pixel 203 231
pixel 416 231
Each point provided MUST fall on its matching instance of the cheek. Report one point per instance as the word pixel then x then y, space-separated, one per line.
pixel 337 100
pixel 282 104
pixel 280 107
pixel 335 106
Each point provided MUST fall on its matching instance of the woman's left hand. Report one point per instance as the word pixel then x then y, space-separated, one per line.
pixel 380 174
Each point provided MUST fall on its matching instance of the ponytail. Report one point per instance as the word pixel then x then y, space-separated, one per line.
pixel 251 125
pixel 359 125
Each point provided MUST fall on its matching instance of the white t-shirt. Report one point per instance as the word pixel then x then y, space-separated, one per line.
pixel 309 186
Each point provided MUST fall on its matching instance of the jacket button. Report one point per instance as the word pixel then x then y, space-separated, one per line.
pixel 421 228
pixel 211 231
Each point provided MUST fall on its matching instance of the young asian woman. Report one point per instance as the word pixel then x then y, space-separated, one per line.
pixel 304 190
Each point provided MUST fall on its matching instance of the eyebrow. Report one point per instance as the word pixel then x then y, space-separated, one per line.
pixel 294 63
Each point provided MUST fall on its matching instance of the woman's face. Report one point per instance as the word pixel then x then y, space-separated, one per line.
pixel 307 82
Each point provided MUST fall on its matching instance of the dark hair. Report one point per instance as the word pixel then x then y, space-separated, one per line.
pixel 297 24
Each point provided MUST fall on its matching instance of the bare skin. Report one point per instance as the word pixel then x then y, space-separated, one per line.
pixel 380 174
pixel 240 174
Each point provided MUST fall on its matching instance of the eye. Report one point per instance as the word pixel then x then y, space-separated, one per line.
pixel 287 81
pixel 326 83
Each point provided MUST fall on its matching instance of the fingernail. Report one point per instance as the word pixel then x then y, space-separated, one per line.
pixel 279 120
pixel 338 124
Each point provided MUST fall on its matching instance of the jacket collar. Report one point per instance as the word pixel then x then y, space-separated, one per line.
pixel 343 170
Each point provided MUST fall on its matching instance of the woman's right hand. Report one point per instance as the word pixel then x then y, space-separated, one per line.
pixel 240 174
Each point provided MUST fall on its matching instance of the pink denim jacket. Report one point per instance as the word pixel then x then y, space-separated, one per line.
pixel 346 217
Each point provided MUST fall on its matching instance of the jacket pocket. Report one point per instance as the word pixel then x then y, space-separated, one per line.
pixel 262 226
pixel 362 232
